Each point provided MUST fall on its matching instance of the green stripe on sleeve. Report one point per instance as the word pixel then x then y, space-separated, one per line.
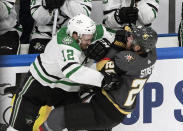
pixel 59 81
pixel 8 8
pixel 40 75
pixel 88 14
pixel 68 83
pixel 154 11
pixel 72 71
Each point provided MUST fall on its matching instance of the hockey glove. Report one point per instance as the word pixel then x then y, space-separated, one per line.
pixel 120 39
pixel 52 4
pixel 110 82
pixel 98 50
pixel 107 68
pixel 126 15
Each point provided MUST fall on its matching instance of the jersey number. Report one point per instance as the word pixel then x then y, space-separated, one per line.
pixel 137 86
pixel 69 55
pixel 109 67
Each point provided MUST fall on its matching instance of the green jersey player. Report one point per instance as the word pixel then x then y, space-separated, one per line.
pixel 56 75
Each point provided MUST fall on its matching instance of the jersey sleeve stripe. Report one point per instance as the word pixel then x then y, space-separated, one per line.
pixel 72 71
pixel 68 65
pixel 40 63
pixel 40 75
pixel 153 7
pixel 68 83
pixel 33 9
pixel 64 82
pixel 88 7
pixel 109 11
pixel 8 6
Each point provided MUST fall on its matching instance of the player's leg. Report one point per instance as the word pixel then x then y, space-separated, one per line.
pixel 58 97
pixel 27 104
pixel 98 115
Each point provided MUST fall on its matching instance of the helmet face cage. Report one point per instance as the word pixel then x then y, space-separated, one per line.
pixel 146 37
pixel 81 24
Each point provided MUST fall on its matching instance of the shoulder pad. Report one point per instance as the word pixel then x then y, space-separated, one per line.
pixel 63 38
pixel 126 60
pixel 98 33
pixel 129 61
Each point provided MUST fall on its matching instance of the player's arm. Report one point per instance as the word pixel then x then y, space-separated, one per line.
pixel 71 67
pixel 73 7
pixel 109 9
pixel 40 14
pixel 148 10
pixel 5 8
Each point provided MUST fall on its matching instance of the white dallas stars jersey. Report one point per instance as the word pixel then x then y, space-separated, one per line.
pixel 60 64
pixel 147 11
pixel 44 17
pixel 7 16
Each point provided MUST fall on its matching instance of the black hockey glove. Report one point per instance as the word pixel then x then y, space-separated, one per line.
pixel 126 15
pixel 110 82
pixel 120 39
pixel 87 91
pixel 98 50
pixel 52 4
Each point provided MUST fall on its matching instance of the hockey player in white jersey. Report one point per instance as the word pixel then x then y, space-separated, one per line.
pixel 9 37
pixel 119 12
pixel 56 75
pixel 43 12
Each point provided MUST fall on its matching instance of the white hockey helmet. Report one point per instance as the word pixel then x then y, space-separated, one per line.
pixel 81 24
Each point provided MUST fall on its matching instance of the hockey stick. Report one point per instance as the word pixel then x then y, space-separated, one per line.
pixel 55 22
pixel 180 32
pixel 132 3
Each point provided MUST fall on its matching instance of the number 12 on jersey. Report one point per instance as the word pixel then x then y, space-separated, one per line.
pixel 137 86
pixel 68 54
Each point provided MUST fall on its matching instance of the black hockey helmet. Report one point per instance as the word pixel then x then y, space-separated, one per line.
pixel 146 37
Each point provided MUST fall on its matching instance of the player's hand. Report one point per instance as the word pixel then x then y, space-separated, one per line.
pixel 126 15
pixel 52 4
pixel 98 50
pixel 110 82
pixel 120 39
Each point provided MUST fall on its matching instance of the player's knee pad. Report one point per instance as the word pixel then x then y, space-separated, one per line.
pixel 38 45
pixel 9 43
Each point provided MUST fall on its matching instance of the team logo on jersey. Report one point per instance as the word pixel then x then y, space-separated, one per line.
pixel 38 46
pixel 67 40
pixel 129 57
pixel 79 22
